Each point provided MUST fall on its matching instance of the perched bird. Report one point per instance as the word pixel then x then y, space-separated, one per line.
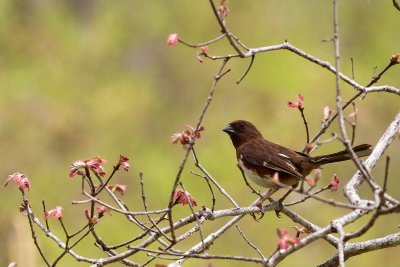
pixel 261 159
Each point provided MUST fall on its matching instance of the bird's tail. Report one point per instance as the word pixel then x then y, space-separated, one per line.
pixel 361 151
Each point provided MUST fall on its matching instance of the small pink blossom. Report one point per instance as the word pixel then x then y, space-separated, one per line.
pixel 293 104
pixel 93 220
pixel 180 198
pixel 124 162
pixel 102 210
pixel 310 181
pixel 223 10
pixel 75 168
pixel 117 188
pixel 301 230
pixel 56 213
pixel 20 179
pixel 186 136
pixel 284 240
pixel 327 112
pixel 172 39
pixel 297 104
pixel 95 164
pixel 313 181
pixel 202 52
pixel 334 184
pixel 395 59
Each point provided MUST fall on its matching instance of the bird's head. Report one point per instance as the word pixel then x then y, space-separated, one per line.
pixel 241 131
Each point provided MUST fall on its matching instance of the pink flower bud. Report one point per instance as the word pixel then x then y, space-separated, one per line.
pixel 327 112
pixel 334 184
pixel 20 179
pixel 297 104
pixel 284 240
pixel 172 39
pixel 204 49
pixel 180 198
pixel 124 162
pixel 56 213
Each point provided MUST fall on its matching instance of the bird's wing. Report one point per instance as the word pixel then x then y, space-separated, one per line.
pixel 261 156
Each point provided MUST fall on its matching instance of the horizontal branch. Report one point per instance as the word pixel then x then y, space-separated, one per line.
pixel 325 64
pixel 353 249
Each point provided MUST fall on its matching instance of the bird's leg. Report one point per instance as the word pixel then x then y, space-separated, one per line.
pixel 260 202
pixel 280 201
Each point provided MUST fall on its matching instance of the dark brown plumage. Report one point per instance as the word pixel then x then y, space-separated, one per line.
pixel 260 159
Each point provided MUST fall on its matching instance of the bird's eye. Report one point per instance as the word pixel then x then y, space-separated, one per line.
pixel 241 125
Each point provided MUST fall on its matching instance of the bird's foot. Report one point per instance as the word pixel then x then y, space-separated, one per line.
pixel 261 207
pixel 279 209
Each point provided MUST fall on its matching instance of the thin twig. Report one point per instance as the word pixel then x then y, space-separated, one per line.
pixel 206 173
pixel 301 109
pixel 44 211
pixel 145 208
pixel 307 197
pixel 249 242
pixel 232 41
pixel 108 180
pixel 386 174
pixel 33 233
pixel 209 186
pixel 248 69
pixel 217 77
pixel 194 215
pixel 203 44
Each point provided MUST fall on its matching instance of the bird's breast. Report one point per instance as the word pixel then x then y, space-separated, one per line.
pixel 263 180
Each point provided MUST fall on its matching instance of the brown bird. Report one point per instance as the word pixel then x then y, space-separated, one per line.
pixel 261 159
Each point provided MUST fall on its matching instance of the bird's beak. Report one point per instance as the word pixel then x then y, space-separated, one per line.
pixel 229 129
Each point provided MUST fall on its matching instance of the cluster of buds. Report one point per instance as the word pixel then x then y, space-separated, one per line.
pixel 102 210
pixel 95 164
pixel 202 52
pixel 223 10
pixel 314 180
pixel 183 197
pixel 285 241
pixel 301 230
pixel 21 180
pixel 123 161
pixel 334 184
pixel 186 136
pixel 56 213
pixel 117 188
pixel 395 59
pixel 298 103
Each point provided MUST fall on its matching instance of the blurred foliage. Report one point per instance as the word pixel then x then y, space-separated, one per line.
pixel 80 78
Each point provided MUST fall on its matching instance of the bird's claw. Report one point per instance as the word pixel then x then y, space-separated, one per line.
pixel 279 209
pixel 262 211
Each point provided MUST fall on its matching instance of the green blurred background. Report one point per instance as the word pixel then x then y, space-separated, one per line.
pixel 80 78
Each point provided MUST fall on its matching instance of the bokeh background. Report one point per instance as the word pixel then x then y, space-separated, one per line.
pixel 80 78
